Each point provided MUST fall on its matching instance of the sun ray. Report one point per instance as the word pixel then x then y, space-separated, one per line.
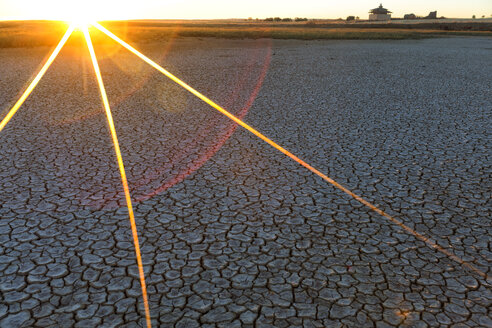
pixel 122 173
pixel 36 80
pixel 366 203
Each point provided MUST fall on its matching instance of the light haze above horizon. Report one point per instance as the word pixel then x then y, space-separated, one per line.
pixel 223 9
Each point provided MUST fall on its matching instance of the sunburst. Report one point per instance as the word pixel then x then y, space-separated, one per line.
pixel 81 20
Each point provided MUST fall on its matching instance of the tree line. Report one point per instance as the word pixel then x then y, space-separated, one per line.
pixel 279 19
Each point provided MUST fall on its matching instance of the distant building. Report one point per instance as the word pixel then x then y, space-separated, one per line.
pixel 379 14
pixel 432 15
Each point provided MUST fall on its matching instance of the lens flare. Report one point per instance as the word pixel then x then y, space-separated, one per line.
pixel 122 173
pixel 82 24
pixel 219 139
pixel 284 151
pixel 36 80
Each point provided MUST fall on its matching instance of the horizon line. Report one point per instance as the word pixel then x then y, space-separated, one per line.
pixel 213 19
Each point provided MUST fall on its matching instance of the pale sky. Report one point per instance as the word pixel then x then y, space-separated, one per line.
pixel 215 9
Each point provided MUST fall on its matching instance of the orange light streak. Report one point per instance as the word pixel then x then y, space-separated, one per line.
pixel 418 235
pixel 36 80
pixel 122 173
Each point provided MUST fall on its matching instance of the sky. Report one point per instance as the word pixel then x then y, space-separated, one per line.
pixel 220 9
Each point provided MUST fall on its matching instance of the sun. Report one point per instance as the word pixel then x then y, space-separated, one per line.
pixel 81 14
pixel 81 19
pixel 80 23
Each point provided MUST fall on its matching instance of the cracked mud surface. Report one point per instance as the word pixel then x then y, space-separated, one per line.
pixel 232 233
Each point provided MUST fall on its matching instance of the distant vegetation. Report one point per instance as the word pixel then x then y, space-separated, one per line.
pixel 287 19
pixel 30 34
pixel 48 33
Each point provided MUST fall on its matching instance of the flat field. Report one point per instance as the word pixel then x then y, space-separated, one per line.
pixel 232 232
pixel 45 33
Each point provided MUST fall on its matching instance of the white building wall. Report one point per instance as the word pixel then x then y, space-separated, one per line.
pixel 379 17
